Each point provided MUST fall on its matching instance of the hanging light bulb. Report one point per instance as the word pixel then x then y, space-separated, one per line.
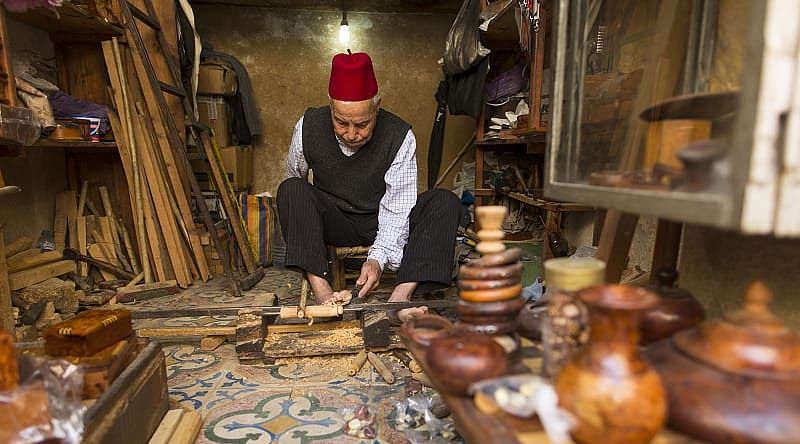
pixel 344 28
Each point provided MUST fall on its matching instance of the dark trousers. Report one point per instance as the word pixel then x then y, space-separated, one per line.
pixel 310 221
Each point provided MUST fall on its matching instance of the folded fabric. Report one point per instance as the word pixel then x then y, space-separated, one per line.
pixel 65 105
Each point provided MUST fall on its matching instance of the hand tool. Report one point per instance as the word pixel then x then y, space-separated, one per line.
pixel 72 254
pixel 276 311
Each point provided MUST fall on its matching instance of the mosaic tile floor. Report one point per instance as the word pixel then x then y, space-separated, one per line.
pixel 295 400
pixel 292 401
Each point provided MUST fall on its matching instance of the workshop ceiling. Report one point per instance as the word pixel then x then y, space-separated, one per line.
pixel 401 6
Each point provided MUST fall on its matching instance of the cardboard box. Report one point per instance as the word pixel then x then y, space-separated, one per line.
pixel 237 161
pixel 215 113
pixel 216 79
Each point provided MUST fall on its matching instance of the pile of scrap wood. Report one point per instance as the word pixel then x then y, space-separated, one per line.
pixel 90 262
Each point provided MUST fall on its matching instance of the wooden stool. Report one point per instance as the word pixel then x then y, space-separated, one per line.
pixel 336 270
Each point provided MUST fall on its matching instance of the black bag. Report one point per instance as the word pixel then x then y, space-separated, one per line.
pixel 463 48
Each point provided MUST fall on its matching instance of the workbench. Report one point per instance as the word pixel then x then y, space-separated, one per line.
pixel 477 427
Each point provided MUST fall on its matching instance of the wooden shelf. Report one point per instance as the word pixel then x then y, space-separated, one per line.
pixel 70 21
pixel 49 143
pixel 500 142
pixel 544 203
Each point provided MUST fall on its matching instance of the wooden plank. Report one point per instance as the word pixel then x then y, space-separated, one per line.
pixel 146 291
pixel 185 332
pixel 127 147
pixel 99 252
pixel 31 258
pixel 22 279
pixel 112 223
pixel 20 244
pixel 168 140
pixel 6 310
pixel 167 427
pixel 250 332
pixel 210 343
pixel 188 428
pixel 161 204
pixel 60 219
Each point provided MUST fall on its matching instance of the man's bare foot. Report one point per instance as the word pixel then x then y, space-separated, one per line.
pixel 413 312
pixel 402 293
pixel 341 297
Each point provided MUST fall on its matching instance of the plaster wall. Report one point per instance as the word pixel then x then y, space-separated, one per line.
pixel 287 53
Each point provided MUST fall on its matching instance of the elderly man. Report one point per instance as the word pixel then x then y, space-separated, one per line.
pixel 364 192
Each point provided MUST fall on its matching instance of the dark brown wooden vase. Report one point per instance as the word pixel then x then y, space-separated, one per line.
pixel 614 394
pixel 677 309
pixel 734 379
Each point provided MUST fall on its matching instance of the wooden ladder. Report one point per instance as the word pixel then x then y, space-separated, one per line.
pixel 155 93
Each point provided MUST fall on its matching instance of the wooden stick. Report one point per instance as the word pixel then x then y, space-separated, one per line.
pixel 112 225
pixel 381 367
pixel 6 310
pixel 80 221
pixel 82 201
pixel 407 360
pixel 357 363
pixel 135 280
pixel 455 161
pixel 126 238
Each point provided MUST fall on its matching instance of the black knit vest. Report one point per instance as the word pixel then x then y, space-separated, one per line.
pixel 354 183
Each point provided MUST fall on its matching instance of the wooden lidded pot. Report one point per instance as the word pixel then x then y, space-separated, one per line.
pixel 677 309
pixel 613 393
pixel 734 379
pixel 460 359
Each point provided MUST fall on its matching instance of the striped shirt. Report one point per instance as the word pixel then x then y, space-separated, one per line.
pixel 396 204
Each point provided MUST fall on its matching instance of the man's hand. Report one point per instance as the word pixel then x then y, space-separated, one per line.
pixel 370 277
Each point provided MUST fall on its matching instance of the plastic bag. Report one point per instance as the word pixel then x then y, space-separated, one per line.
pixel 463 48
pixel 419 424
pixel 46 405
pixel 528 395
pixel 359 422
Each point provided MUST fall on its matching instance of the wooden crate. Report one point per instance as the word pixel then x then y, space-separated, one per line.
pixel 132 407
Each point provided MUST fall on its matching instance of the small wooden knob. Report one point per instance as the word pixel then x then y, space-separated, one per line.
pixel 491 233
pixel 757 298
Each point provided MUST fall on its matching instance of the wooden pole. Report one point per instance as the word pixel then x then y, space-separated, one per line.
pixel 6 310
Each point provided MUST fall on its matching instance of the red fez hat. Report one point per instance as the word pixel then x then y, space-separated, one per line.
pixel 352 77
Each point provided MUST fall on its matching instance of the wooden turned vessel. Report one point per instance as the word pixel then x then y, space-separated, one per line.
pixel 460 359
pixel 611 391
pixel 489 287
pixel 734 379
pixel 677 309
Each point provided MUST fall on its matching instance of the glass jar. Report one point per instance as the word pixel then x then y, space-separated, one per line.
pixel 565 326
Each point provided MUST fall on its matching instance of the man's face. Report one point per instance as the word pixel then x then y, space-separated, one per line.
pixel 353 122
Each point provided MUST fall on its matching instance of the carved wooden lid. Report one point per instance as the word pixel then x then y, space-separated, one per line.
pixel 666 286
pixel 750 341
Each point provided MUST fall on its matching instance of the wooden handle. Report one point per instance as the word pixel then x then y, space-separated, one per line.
pixel 358 362
pixel 311 311
pixel 381 367
pixel 407 360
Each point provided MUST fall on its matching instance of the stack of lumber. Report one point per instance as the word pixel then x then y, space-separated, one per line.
pixel 166 235
pixel 212 255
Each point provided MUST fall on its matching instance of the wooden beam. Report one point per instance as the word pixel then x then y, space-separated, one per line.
pixel 20 244
pixel 210 343
pixel 60 219
pixel 188 428
pixel 80 223
pixel 25 278
pixel 176 332
pixel 146 291
pixel 82 199
pixel 31 258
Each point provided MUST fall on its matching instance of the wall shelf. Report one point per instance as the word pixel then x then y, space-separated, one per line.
pixel 71 20
pixel 49 143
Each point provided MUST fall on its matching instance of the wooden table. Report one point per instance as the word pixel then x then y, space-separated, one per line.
pixel 477 427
